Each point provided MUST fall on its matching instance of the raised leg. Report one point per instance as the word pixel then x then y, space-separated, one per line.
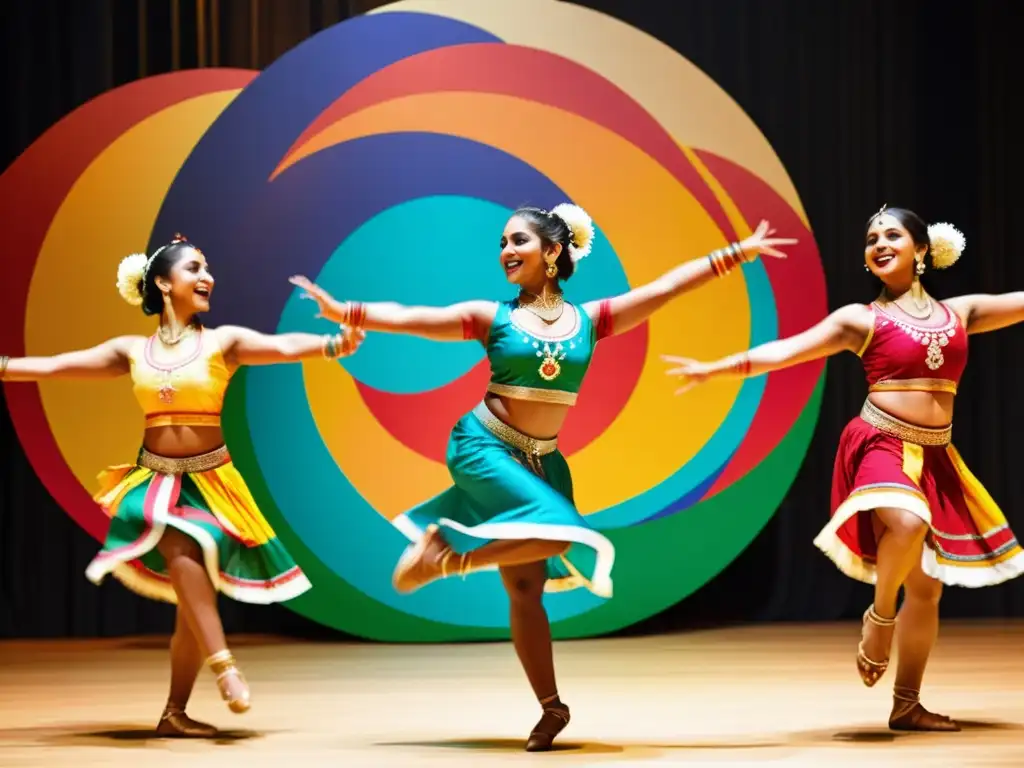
pixel 197 601
pixel 917 627
pixel 900 536
pixel 431 558
pixel 531 637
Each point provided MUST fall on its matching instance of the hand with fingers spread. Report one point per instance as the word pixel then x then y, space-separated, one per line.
pixel 693 372
pixel 330 308
pixel 762 242
pixel 690 372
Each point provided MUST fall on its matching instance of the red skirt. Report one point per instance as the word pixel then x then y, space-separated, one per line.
pixel 885 462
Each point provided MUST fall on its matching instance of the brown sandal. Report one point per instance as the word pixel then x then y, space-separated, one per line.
pixel 909 715
pixel 175 724
pixel 551 723
pixel 871 671
pixel 222 664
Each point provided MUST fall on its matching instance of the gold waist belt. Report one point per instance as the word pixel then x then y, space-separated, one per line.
pixel 903 430
pixel 914 385
pixel 165 465
pixel 515 438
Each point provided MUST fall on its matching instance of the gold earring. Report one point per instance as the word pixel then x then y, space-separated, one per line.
pixel 552 270
pixel 917 290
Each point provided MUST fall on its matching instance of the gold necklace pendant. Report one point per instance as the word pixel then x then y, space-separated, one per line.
pixel 547 307
pixel 550 367
pixel 168 370
pixel 167 390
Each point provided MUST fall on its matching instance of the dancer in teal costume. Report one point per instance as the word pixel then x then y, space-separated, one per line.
pixel 511 505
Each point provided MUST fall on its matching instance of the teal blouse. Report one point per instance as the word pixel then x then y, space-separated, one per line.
pixel 525 366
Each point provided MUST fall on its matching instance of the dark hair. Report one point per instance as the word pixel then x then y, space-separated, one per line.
pixel 160 265
pixel 911 222
pixel 551 229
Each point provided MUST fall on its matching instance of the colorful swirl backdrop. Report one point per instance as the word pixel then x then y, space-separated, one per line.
pixel 381 158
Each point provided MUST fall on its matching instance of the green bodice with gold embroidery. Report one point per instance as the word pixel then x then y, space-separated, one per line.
pixel 525 366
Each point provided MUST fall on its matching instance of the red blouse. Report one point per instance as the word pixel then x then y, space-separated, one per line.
pixel 899 355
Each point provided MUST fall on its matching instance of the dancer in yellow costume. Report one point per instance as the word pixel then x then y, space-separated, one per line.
pixel 183 524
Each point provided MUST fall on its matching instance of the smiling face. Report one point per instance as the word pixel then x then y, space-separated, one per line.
pixel 189 283
pixel 522 254
pixel 889 250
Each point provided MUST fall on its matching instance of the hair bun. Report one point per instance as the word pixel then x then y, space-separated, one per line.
pixel 948 243
pixel 581 229
pixel 130 273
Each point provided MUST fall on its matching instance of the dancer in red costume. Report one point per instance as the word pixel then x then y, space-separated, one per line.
pixel 906 511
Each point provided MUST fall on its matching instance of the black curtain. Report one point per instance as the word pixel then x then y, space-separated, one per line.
pixel 866 102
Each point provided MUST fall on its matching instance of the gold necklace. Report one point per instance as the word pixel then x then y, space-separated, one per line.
pixel 168 340
pixel 548 306
pixel 895 303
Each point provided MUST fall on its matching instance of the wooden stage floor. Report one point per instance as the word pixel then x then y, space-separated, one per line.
pixel 779 695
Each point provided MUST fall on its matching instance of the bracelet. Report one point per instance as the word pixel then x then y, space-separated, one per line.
pixel 4 360
pixel 330 348
pixel 739 365
pixel 354 314
pixel 725 260
pixel 338 345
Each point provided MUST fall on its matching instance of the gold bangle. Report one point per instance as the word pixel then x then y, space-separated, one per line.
pixel 725 260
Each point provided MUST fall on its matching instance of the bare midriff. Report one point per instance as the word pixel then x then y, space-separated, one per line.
pixel 176 442
pixel 542 421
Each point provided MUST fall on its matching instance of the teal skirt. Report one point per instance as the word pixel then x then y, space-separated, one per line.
pixel 509 486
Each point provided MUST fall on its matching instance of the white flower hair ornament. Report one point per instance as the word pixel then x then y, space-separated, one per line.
pixel 581 229
pixel 130 273
pixel 948 243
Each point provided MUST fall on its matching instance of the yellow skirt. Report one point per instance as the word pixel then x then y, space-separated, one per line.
pixel 205 498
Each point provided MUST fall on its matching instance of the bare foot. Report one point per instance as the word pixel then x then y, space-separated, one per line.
pixel 875 645
pixel 230 681
pixel 234 690
pixel 422 562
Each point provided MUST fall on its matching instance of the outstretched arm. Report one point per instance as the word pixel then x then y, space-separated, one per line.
pixel 628 310
pixel 845 330
pixel 457 322
pixel 104 361
pixel 244 346
pixel 984 312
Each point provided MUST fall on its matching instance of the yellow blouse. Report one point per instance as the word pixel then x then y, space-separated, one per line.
pixel 187 392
